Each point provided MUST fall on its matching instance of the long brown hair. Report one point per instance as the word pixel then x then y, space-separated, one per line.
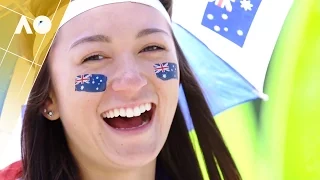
pixel 46 156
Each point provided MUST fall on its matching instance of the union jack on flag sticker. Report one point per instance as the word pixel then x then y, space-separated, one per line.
pixel 231 18
pixel 91 83
pixel 166 71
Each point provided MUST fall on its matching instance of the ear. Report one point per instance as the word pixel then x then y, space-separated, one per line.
pixel 50 109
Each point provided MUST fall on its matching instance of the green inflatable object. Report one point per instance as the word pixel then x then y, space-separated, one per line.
pixel 290 142
pixel 286 144
pixel 238 126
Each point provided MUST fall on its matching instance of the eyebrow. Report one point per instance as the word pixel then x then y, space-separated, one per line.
pixel 146 32
pixel 106 39
pixel 93 38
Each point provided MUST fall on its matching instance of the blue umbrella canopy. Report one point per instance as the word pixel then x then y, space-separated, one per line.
pixel 228 44
pixel 222 85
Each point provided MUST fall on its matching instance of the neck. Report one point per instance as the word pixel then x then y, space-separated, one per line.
pixel 147 172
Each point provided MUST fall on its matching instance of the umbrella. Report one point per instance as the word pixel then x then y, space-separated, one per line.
pixel 228 44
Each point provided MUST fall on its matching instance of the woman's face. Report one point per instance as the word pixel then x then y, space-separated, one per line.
pixel 123 117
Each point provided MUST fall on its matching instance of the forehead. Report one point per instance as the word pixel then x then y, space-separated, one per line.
pixel 114 19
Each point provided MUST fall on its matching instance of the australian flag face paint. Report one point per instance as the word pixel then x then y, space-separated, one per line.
pixel 166 71
pixel 91 83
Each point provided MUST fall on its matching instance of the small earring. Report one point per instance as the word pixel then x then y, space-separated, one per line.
pixel 50 113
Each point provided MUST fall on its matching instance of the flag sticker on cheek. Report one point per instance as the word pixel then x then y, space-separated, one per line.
pixel 166 71
pixel 91 83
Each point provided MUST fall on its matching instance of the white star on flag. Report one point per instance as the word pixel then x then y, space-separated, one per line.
pixel 246 5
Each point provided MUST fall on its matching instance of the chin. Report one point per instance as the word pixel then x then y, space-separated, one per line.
pixel 136 160
pixel 133 147
pixel 133 154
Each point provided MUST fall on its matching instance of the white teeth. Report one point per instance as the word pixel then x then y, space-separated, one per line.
pixel 148 106
pixel 136 111
pixel 116 112
pixel 104 115
pixel 122 112
pixel 128 112
pixel 142 108
pixel 111 114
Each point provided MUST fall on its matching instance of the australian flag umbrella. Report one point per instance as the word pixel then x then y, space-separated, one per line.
pixel 228 44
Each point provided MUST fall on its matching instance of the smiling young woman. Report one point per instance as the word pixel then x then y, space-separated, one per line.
pixel 105 103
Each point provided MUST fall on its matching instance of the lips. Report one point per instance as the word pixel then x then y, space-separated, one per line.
pixel 129 118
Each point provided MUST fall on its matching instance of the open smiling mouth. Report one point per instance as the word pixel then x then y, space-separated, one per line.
pixel 129 118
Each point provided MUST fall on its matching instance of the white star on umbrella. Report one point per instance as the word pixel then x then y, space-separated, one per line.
pixel 246 5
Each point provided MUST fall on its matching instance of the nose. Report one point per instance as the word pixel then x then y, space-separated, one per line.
pixel 128 78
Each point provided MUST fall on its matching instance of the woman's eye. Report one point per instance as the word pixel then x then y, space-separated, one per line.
pixel 94 57
pixel 152 48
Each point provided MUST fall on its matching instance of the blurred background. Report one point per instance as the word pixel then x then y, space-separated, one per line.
pixel 278 139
